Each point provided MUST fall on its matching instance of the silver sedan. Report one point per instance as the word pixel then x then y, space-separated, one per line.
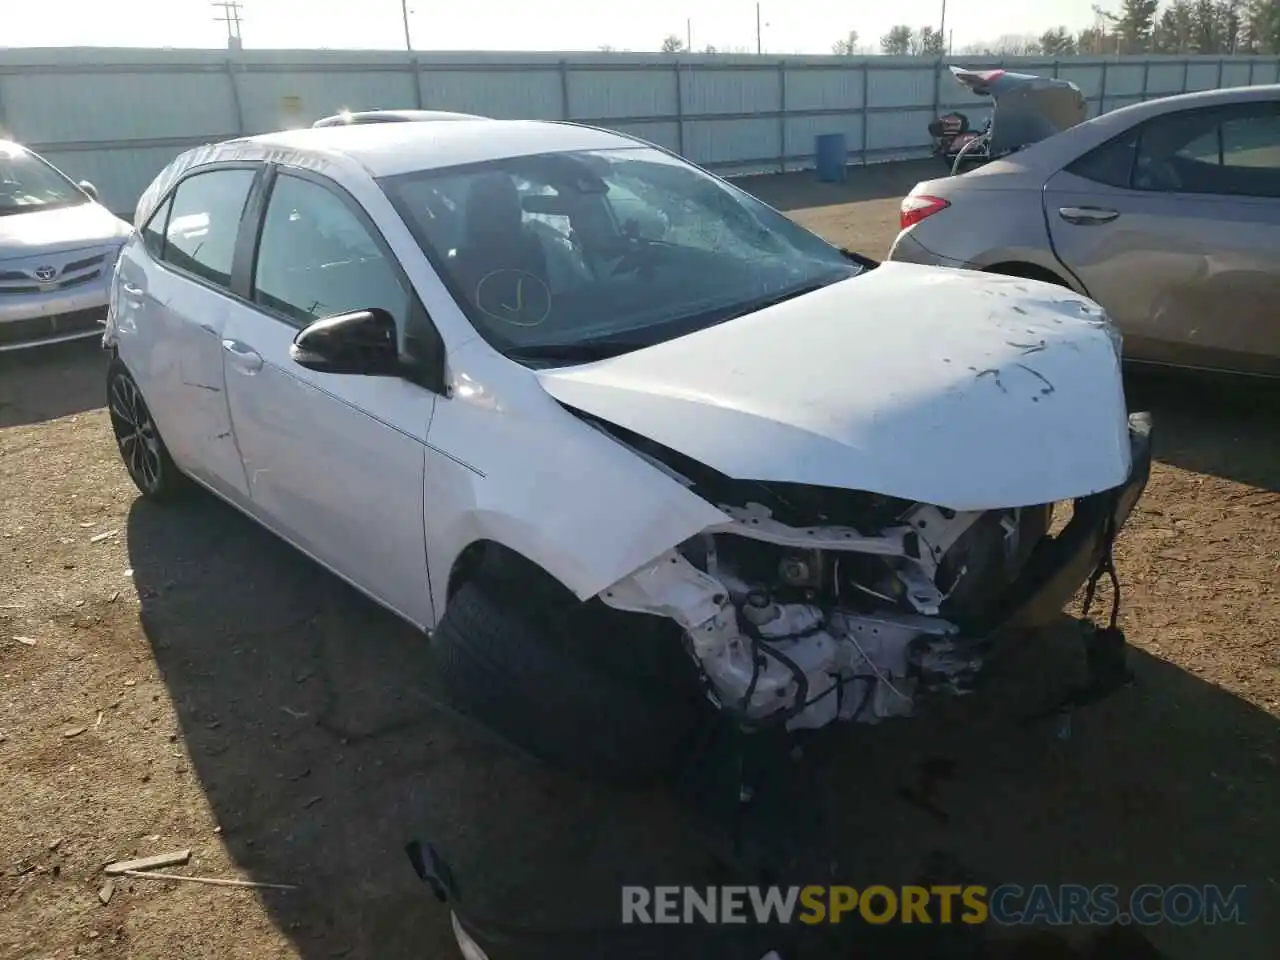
pixel 1167 213
pixel 58 248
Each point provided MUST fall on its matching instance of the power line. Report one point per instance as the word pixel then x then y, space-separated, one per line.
pixel 231 17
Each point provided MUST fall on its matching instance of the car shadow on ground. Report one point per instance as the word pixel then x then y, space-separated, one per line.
pixel 312 720
pixel 50 382
pixel 1217 425
pixel 877 181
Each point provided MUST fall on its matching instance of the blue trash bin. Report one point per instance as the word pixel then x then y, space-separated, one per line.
pixel 831 157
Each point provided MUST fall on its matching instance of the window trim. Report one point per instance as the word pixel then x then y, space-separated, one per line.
pixel 420 340
pixel 166 206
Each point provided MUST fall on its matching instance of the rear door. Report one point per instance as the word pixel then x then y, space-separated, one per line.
pixel 335 462
pixel 173 295
pixel 1174 227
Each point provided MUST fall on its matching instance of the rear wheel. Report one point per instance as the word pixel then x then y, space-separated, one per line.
pixel 141 447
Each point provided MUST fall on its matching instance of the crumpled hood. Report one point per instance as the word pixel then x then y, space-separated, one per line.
pixel 955 388
pixel 57 230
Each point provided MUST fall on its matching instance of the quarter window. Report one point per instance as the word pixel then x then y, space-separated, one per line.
pixel 153 232
pixel 200 236
pixel 316 258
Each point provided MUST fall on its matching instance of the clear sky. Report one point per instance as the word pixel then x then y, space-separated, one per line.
pixel 788 26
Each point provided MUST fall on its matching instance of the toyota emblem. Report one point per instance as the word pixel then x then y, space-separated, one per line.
pixel 45 274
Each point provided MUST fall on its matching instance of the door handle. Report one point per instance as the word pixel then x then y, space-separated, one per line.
pixel 131 291
pixel 1087 216
pixel 242 356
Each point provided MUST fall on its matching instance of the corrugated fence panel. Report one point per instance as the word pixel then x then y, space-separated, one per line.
pixel 1125 79
pixel 601 94
pixel 731 91
pixel 274 100
pixel 1203 76
pixel 902 132
pixel 501 94
pixel 731 141
pixel 801 132
pixel 1164 78
pixel 47 108
pixel 824 90
pixel 736 113
pixel 1235 75
pixel 120 175
pixel 900 88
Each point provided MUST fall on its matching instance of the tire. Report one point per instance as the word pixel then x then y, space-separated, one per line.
pixel 512 668
pixel 142 449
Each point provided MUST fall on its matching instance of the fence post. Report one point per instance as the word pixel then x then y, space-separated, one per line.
pixel 415 74
pixel 937 86
pixel 1221 64
pixel 866 102
pixel 4 129
pixel 782 116
pixel 1056 65
pixel 1146 78
pixel 235 97
pixel 1102 93
pixel 1186 75
pixel 1252 64
pixel 679 109
pixel 564 89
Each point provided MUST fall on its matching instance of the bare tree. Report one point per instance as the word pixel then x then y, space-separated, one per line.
pixel 671 43
pixel 846 46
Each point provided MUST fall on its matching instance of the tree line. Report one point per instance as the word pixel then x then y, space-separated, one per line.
pixel 1205 27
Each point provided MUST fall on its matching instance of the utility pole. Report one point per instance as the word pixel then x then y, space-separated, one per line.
pixel 231 17
pixel 942 28
pixel 404 13
pixel 759 48
pixel 688 35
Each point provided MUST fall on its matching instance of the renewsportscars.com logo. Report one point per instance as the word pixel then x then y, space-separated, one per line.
pixel 1006 905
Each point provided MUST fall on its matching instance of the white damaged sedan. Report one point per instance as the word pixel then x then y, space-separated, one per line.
pixel 634 448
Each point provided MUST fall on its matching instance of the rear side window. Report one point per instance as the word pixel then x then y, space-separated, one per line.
pixel 1110 164
pixel 1229 151
pixel 204 219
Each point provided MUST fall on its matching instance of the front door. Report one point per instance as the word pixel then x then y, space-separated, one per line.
pixel 1175 229
pixel 334 462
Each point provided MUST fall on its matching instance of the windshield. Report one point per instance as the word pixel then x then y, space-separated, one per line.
pixel 27 183
pixel 585 254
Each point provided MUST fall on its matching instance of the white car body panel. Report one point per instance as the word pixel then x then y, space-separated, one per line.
pixel 334 462
pixel 927 384
pixel 588 513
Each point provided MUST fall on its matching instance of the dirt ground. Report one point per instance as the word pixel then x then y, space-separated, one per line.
pixel 175 678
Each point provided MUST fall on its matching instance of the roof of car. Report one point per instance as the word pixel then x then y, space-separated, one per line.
pixel 383 116
pixel 387 149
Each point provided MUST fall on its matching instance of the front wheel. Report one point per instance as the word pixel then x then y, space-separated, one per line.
pixel 141 447
pixel 516 671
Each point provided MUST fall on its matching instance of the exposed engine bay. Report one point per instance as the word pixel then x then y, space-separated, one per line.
pixel 815 604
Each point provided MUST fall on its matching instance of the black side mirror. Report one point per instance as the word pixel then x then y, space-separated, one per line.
pixel 89 188
pixel 361 342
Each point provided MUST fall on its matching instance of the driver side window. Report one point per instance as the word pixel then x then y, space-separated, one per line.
pixel 316 258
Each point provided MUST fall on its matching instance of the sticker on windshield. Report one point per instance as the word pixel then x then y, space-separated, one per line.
pixel 513 296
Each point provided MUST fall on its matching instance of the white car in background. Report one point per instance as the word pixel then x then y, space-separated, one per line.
pixel 58 246
pixel 622 464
